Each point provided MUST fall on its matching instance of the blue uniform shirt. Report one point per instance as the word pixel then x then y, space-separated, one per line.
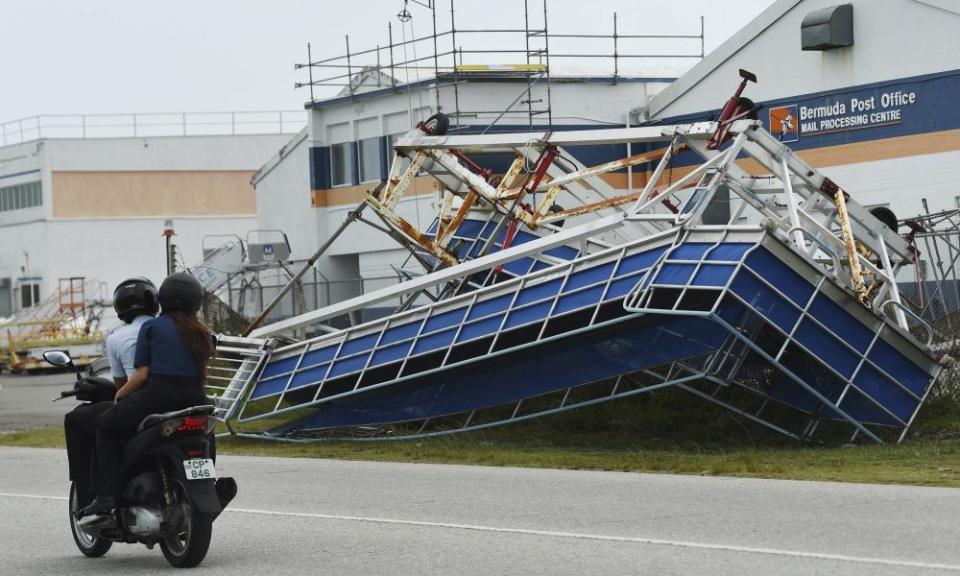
pixel 160 347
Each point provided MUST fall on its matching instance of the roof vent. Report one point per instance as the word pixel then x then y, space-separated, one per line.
pixel 828 28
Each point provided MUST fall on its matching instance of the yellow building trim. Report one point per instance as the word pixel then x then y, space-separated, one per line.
pixel 870 151
pixel 153 193
pixel 347 195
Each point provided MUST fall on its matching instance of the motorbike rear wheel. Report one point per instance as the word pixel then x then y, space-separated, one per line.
pixel 89 545
pixel 186 546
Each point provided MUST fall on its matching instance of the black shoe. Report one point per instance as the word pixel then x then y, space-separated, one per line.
pixel 100 505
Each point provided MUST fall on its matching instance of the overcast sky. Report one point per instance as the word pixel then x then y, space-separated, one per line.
pixel 107 56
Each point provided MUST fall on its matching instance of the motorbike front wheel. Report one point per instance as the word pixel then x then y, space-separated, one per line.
pixel 90 545
pixel 186 545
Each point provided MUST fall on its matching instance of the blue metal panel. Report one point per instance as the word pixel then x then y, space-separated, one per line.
pixel 268 387
pixel 434 341
pixel 387 354
pixel 841 322
pixel 563 252
pixel 589 276
pixel 859 407
pixel 445 319
pixel 519 267
pixel 632 346
pixel 765 300
pixel 730 251
pixel 354 345
pixel 896 364
pixel 278 367
pixel 826 348
pixel 532 313
pixel 885 392
pixel 348 365
pixel 674 274
pixel 400 332
pixel 583 299
pixel 319 356
pixel 537 292
pixel 308 377
pixel 690 251
pixel 780 275
pixel 713 275
pixel 480 328
pixel 485 307
pixel 639 261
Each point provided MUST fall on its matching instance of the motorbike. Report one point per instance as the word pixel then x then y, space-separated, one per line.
pixel 171 493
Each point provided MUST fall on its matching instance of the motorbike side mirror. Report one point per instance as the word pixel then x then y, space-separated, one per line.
pixel 61 359
pixel 58 358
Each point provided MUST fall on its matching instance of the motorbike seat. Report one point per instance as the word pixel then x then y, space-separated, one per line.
pixel 154 419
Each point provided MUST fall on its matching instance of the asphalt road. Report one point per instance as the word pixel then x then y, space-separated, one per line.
pixel 25 400
pixel 296 516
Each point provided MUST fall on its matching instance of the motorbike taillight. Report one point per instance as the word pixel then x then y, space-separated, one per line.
pixel 188 424
pixel 193 424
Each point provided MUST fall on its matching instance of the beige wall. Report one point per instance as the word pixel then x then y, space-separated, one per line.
pixel 145 193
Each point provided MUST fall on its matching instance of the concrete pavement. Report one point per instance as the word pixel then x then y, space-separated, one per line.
pixel 302 516
pixel 25 400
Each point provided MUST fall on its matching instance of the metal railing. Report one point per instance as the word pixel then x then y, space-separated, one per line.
pixel 151 124
pixel 455 54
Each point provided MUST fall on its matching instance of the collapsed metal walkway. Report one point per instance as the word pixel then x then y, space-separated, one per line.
pixel 770 282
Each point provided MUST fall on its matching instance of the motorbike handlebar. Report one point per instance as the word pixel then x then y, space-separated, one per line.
pixel 66 394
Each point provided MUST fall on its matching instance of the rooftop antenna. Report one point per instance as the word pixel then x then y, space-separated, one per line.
pixel 404 15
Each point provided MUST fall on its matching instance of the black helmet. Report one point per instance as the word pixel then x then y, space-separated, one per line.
pixel 181 291
pixel 134 297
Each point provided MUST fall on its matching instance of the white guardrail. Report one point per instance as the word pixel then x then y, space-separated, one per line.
pixel 151 124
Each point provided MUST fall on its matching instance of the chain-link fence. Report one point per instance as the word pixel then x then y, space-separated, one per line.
pixel 930 286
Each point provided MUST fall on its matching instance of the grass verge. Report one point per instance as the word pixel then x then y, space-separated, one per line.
pixel 668 433
pixel 917 462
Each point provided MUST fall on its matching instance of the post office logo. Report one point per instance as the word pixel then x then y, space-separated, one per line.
pixel 784 123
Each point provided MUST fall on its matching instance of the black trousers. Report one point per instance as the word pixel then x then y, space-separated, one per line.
pixel 80 426
pixel 120 422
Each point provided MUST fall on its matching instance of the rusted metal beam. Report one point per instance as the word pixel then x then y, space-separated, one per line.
pixel 458 218
pixel 393 219
pixel 608 167
pixel 397 187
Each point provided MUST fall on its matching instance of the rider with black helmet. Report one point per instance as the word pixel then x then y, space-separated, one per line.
pixel 136 301
pixel 170 363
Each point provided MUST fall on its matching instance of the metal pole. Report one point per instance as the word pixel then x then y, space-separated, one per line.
pixel 351 217
pixel 456 79
pixel 546 51
pixel 616 60
pixel 436 61
pixel 349 67
pixel 526 28
pixel 393 78
pixel 310 71
pixel 701 38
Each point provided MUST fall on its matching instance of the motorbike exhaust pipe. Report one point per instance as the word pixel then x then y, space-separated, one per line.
pixel 226 489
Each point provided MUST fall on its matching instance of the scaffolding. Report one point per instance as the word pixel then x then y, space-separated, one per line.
pixel 446 59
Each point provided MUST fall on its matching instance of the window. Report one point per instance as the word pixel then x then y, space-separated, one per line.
pixel 369 149
pixel 341 164
pixel 29 294
pixel 20 196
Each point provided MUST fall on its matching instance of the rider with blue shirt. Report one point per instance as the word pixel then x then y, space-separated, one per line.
pixel 170 363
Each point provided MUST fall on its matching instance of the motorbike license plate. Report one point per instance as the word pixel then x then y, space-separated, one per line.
pixel 199 469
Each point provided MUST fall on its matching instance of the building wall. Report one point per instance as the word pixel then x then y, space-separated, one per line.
pixel 156 193
pixel 105 202
pixel 879 117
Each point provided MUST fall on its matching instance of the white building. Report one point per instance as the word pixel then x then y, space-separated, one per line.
pixel 95 207
pixel 877 111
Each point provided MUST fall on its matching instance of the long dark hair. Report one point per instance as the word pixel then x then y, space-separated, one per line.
pixel 196 337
